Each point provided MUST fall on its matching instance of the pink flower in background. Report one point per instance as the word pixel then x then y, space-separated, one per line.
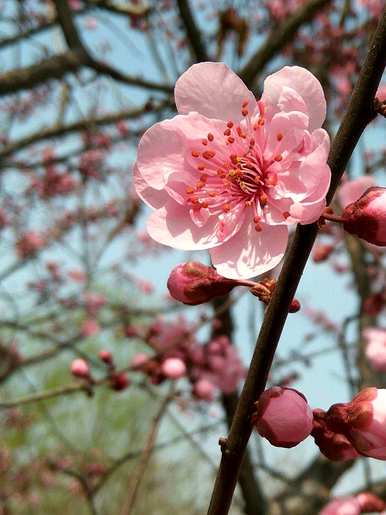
pixel 29 243
pixel 376 347
pixel 89 328
pixel 342 506
pixel 283 416
pixel 350 191
pixel 204 390
pixel 230 173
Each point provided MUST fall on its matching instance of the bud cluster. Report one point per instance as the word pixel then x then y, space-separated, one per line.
pixel 209 368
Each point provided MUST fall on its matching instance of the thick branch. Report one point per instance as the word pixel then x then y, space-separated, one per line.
pixel 280 37
pixel 192 31
pixel 359 113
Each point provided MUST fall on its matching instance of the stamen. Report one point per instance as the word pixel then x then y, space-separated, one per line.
pixel 208 154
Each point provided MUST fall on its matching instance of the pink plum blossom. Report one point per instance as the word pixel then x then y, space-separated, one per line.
pixel 230 173
pixel 342 506
pixel 376 347
pixel 173 368
pixel 283 416
pixel 366 217
pixel 363 421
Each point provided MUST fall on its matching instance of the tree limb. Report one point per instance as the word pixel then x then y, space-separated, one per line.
pixel 359 112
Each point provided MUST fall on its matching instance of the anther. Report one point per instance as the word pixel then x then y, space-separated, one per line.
pixel 227 132
pixel 210 136
pixel 195 153
pixel 231 139
pixel 230 124
pixel 189 190
pixel 208 154
pixel 244 112
pixel 226 208
pixel 204 141
pixel 278 158
pixel 279 136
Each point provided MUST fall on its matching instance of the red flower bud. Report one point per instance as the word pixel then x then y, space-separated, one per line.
pixel 370 502
pixel 194 283
pixel 366 217
pixel 335 446
pixel 106 357
pixel 120 381
pixel 283 416
pixel 363 422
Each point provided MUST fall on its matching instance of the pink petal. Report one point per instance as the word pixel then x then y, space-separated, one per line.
pixel 172 225
pixel 213 90
pixel 306 212
pixel 350 191
pixel 304 84
pixel 153 198
pixel 166 148
pixel 159 153
pixel 250 253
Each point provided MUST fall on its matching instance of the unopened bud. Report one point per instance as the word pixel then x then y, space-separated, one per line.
pixel 106 357
pixel 173 368
pixel 294 306
pixel 366 217
pixel 370 503
pixel 79 368
pixel 283 416
pixel 194 283
pixel 342 506
pixel 204 390
pixel 363 422
pixel 335 446
pixel 120 381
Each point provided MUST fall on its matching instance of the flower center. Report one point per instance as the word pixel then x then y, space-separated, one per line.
pixel 236 171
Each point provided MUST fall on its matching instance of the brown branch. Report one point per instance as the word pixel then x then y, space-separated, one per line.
pixel 81 125
pixel 192 31
pixel 359 112
pixel 253 496
pixel 123 10
pixel 280 37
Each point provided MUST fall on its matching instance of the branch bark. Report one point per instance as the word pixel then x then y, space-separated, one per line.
pixel 359 112
pixel 280 37
pixel 192 31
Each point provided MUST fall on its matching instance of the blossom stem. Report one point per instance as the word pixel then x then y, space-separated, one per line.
pixel 333 218
pixel 359 112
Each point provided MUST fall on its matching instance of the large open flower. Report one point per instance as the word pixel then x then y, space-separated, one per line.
pixel 230 173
